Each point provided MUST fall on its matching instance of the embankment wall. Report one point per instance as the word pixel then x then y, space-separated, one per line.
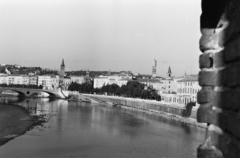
pixel 175 111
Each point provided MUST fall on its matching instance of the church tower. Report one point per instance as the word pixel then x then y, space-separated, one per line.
pixel 154 68
pixel 62 68
pixel 169 73
pixel 87 73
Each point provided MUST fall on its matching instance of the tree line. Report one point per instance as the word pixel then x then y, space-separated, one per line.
pixel 132 89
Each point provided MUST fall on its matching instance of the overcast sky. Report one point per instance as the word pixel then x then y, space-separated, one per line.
pixel 101 34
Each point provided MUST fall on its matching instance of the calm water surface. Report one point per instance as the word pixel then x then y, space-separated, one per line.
pixel 88 130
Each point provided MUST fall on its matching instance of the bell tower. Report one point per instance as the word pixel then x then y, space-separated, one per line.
pixel 169 73
pixel 62 68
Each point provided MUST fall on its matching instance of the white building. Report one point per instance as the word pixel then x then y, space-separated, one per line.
pixel 120 83
pixel 100 81
pixel 119 79
pixel 66 82
pixel 170 98
pixel 187 89
pixel 25 80
pixel 154 83
pixel 33 80
pixel 78 79
pixel 16 79
pixel 54 81
pixel 169 84
pixel 45 81
pixel 3 79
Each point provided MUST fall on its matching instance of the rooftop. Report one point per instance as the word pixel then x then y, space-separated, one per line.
pixel 189 78
pixel 148 80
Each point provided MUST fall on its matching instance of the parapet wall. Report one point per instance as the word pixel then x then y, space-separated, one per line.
pixel 148 105
pixel 220 78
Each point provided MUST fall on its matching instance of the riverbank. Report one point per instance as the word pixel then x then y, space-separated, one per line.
pixel 171 111
pixel 15 121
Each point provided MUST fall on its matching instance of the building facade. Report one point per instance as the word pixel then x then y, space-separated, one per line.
pixel 77 79
pixel 45 81
pixel 154 83
pixel 119 79
pixel 187 89
pixel 4 79
pixel 33 80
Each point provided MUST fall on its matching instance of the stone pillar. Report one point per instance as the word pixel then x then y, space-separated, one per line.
pixel 220 79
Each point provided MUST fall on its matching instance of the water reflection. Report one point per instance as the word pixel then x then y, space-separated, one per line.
pixel 78 129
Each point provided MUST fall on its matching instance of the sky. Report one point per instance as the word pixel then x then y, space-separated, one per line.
pixel 102 34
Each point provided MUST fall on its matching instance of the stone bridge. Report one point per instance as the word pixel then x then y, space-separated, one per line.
pixel 29 92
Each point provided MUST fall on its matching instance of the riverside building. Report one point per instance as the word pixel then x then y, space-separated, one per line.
pixel 119 79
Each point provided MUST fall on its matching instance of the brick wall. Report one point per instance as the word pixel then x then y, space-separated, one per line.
pixel 220 78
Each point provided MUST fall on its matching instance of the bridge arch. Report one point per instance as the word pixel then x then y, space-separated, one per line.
pixel 27 93
pixel 30 92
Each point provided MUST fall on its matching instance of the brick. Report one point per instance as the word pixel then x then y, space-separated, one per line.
pixel 208 41
pixel 214 133
pixel 231 51
pixel 205 95
pixel 218 59
pixel 230 76
pixel 228 100
pixel 205 114
pixel 233 14
pixel 226 142
pixel 205 60
pixel 230 122
pixel 207 78
pixel 207 150
pixel 229 145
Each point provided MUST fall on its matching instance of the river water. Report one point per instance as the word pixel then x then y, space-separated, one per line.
pixel 85 130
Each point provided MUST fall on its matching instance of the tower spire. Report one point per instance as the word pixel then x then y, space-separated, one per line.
pixel 63 62
pixel 169 73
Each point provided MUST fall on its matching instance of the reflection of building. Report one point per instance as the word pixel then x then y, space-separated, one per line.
pixel 154 68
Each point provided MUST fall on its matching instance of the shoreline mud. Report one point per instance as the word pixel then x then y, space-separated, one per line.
pixel 15 121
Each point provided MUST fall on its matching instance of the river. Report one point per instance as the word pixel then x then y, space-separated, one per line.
pixel 86 130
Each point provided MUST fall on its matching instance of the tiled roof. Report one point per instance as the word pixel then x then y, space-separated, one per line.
pixel 187 79
pixel 148 80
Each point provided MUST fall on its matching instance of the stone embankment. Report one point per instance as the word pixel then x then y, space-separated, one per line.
pixel 171 111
